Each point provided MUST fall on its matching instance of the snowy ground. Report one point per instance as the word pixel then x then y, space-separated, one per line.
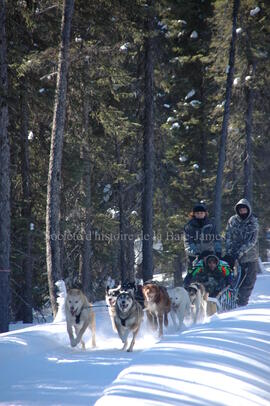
pixel 225 361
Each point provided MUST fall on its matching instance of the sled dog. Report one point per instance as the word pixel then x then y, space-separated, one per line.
pixel 157 304
pixel 128 318
pixel 198 300
pixel 79 317
pixel 136 289
pixel 180 305
pixel 110 297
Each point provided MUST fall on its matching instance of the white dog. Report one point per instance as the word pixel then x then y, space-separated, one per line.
pixel 79 316
pixel 198 299
pixel 180 305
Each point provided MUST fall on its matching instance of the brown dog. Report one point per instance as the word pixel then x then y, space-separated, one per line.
pixel 157 304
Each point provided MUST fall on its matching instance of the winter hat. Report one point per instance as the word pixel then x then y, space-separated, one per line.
pixel 199 207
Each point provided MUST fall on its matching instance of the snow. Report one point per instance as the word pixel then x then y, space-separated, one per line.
pixel 236 81
pixel 183 22
pixel 62 292
pixel 225 361
pixel 190 94
pixel 195 103
pixel 183 158
pixel 113 213
pixel 175 126
pixel 162 26
pixel 194 35
pixel 30 135
pixel 107 192
pixel 255 11
pixel 138 247
pixel 221 105
pixel 124 47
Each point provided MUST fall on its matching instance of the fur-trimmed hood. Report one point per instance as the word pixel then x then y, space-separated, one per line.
pixel 211 256
pixel 243 202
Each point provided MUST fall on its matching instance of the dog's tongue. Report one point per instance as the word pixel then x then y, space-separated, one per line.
pixel 73 312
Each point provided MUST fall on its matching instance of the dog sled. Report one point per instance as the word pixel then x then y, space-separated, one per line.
pixel 226 299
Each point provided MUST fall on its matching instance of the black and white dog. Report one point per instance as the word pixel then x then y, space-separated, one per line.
pixel 128 317
pixel 136 288
pixel 111 297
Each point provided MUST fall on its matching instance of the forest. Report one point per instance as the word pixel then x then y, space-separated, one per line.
pixel 116 117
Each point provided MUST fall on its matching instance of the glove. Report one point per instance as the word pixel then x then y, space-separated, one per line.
pixel 230 259
pixel 240 254
pixel 196 260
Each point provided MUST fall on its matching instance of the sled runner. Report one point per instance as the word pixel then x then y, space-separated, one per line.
pixel 227 298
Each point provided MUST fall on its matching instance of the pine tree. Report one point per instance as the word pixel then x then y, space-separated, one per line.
pixel 54 177
pixel 225 123
pixel 4 179
pixel 147 199
pixel 27 265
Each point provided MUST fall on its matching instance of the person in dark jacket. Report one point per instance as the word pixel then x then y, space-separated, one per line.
pixel 241 243
pixel 200 235
pixel 214 273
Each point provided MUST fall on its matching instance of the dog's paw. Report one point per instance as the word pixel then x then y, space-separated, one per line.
pixel 73 342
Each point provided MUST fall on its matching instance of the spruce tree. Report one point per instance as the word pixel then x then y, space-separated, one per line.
pixel 4 179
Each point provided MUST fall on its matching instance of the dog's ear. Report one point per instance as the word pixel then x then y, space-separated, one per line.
pixel 132 293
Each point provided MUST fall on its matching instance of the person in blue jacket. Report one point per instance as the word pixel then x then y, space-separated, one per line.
pixel 200 235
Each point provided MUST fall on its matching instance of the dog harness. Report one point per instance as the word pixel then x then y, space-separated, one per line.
pixel 123 321
pixel 78 316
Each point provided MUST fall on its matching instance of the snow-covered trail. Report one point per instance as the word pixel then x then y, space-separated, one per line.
pixel 42 369
pixel 224 362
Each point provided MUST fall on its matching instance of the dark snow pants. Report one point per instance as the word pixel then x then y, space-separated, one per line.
pixel 247 282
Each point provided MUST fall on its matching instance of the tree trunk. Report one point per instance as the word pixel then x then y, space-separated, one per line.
pixel 122 221
pixel 148 144
pixel 225 123
pixel 130 259
pixel 86 253
pixel 54 176
pixel 26 214
pixel 4 180
pixel 248 162
pixel 123 270
pixel 178 271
